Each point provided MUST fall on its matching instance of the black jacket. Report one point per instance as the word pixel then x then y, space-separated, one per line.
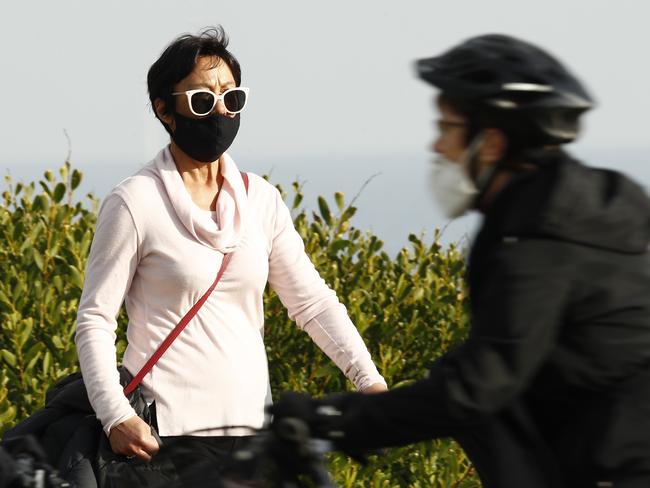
pixel 559 280
pixel 72 438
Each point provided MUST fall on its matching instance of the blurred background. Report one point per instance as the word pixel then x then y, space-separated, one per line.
pixel 333 102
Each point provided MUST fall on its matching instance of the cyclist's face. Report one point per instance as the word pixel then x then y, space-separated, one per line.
pixel 452 130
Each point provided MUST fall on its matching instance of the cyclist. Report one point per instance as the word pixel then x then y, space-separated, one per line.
pixel 552 386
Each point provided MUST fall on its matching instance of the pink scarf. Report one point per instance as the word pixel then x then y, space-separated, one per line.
pixel 222 235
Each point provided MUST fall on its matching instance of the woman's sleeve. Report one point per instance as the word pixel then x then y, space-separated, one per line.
pixel 111 265
pixel 314 305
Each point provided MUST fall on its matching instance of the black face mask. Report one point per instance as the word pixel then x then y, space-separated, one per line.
pixel 207 138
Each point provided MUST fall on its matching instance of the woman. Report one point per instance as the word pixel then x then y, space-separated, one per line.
pixel 160 239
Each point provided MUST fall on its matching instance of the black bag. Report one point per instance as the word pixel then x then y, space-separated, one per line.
pixel 75 443
pixel 116 470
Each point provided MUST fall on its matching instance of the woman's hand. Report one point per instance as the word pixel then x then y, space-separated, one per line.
pixel 133 438
pixel 375 388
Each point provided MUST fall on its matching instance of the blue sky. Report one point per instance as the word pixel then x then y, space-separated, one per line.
pixel 333 95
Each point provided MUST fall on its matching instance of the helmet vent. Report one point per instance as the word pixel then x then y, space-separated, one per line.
pixel 527 87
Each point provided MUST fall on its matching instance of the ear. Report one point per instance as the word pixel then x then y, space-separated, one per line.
pixel 160 108
pixel 494 147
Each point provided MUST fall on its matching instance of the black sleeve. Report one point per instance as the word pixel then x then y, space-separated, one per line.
pixel 516 316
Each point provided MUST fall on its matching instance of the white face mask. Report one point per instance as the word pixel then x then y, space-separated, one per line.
pixel 453 189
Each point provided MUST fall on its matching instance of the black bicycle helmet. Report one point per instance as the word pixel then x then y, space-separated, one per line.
pixel 512 79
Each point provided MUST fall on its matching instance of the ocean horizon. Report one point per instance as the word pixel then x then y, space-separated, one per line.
pixel 392 191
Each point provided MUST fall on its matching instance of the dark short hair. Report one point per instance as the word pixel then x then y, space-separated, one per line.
pixel 179 59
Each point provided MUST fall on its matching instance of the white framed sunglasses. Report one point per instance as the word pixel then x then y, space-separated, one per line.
pixel 203 101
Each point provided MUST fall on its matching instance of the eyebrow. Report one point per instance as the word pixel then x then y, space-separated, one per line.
pixel 452 123
pixel 196 86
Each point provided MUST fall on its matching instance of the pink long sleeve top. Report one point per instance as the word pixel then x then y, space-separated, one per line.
pixel 158 252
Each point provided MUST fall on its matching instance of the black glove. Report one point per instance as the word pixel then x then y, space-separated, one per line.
pixel 298 415
pixel 320 418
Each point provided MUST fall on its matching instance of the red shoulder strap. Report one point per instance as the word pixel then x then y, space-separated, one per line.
pixel 183 322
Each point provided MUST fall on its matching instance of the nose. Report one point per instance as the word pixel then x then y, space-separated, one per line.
pixel 220 108
pixel 436 145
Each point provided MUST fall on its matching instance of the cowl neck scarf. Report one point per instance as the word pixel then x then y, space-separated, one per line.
pixel 223 233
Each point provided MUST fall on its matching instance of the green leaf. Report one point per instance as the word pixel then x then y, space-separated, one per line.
pixel 59 192
pixel 58 283
pixel 418 295
pixel 34 351
pixel 349 213
pixel 8 415
pixel 32 362
pixel 75 180
pixel 64 171
pixel 61 214
pixel 376 246
pixel 38 259
pixel 85 243
pixel 56 340
pixel 338 245
pixel 297 200
pixel 49 176
pixel 340 200
pixel 27 326
pixel 47 362
pixel 45 188
pixel 41 203
pixel 9 357
pixel 324 210
pixel 403 292
pixel 36 231
pixel 402 383
pixel 75 277
pixel 18 291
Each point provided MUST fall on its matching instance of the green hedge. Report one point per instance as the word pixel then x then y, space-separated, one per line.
pixel 409 309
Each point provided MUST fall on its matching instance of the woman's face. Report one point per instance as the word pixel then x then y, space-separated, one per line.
pixel 211 73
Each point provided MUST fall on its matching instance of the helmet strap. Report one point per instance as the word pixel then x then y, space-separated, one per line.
pixel 482 177
pixel 470 157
